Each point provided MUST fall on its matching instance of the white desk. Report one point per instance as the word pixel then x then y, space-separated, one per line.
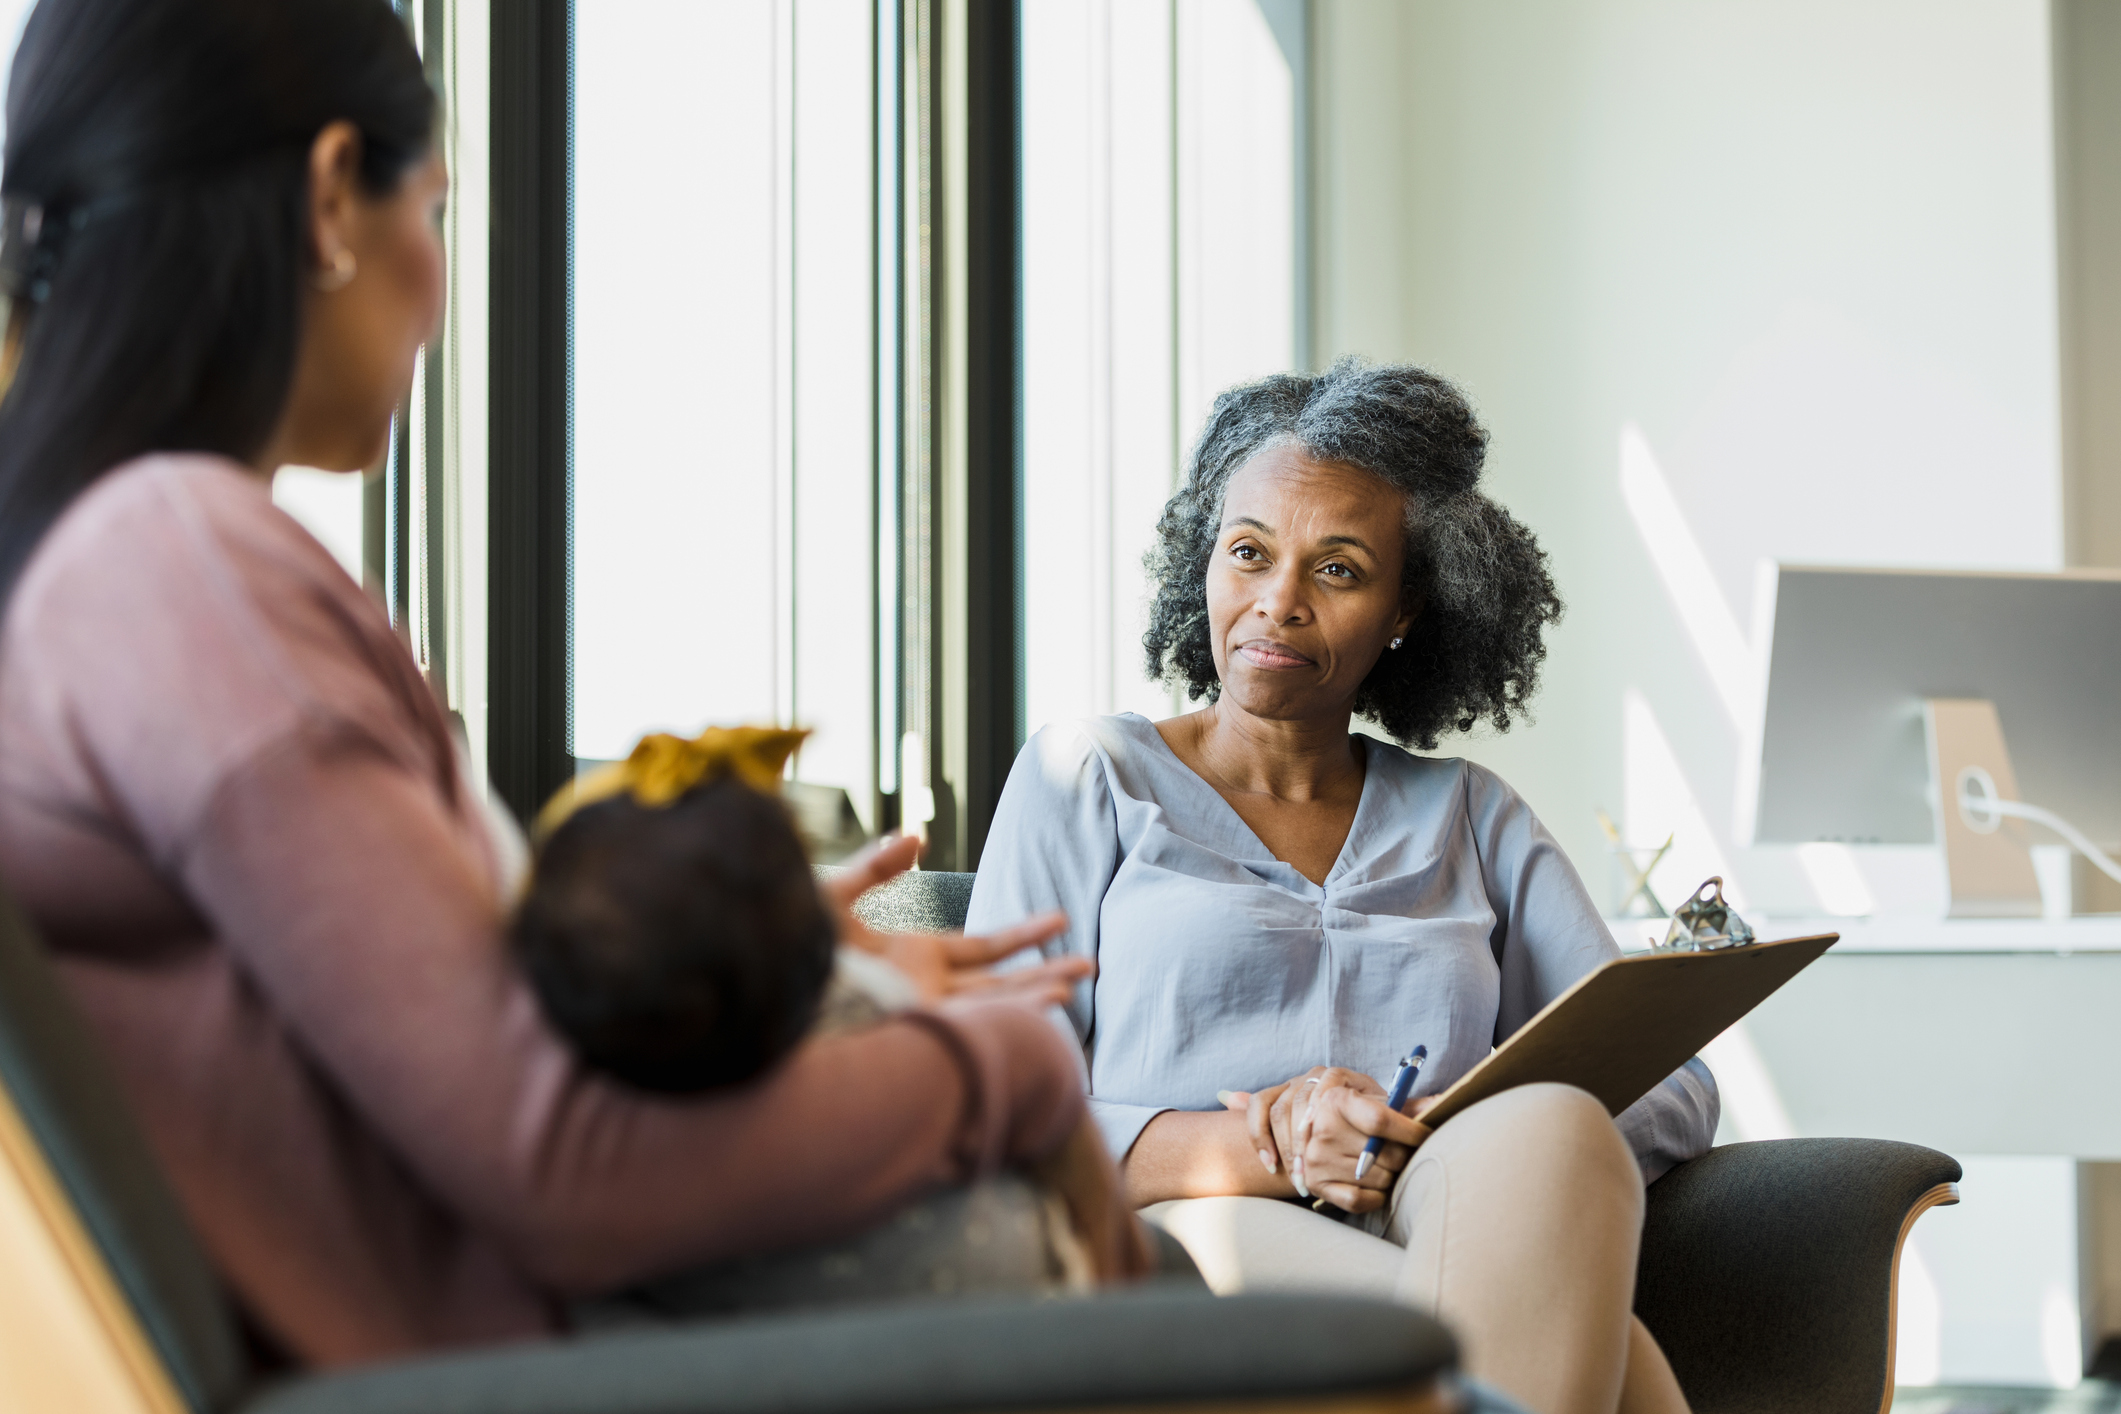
pixel 1971 1036
pixel 1953 936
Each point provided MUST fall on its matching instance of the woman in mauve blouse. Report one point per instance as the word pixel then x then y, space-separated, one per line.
pixel 1279 910
pixel 232 805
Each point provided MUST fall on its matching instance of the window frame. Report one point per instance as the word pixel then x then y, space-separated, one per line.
pixel 947 612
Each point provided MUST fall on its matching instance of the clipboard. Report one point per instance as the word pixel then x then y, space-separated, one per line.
pixel 1631 1022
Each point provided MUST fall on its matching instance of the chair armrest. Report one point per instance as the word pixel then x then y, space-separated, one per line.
pixel 1769 1271
pixel 1141 1347
pixel 924 901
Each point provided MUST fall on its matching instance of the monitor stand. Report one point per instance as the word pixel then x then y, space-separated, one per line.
pixel 1990 871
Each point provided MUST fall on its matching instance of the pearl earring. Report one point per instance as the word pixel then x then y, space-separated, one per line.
pixel 1397 641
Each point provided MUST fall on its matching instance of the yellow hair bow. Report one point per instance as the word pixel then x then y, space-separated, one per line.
pixel 663 767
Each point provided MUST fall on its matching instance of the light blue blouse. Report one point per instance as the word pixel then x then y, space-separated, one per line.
pixel 1450 918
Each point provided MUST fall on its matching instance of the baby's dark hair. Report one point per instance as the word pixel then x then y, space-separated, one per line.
pixel 678 947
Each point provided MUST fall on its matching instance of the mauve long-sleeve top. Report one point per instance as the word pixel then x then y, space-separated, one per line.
pixel 1450 918
pixel 231 805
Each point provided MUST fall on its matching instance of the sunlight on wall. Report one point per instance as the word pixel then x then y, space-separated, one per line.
pixel 1751 1103
pixel 1683 568
pixel 1735 662
pixel 1657 801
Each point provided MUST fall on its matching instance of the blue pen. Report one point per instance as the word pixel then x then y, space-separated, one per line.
pixel 1402 1086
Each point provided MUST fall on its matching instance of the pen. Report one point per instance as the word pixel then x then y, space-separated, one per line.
pixel 1402 1086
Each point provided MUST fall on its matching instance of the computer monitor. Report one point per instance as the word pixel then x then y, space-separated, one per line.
pixel 1854 654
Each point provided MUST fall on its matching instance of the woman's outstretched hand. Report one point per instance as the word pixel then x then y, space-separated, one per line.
pixel 1314 1128
pixel 951 964
pixel 946 965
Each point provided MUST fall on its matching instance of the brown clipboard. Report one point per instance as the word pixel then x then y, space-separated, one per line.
pixel 1633 1021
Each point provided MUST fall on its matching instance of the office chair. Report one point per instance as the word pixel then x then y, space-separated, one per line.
pixel 1770 1271
pixel 108 1306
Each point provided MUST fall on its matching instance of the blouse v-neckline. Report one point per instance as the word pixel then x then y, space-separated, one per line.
pixel 1341 860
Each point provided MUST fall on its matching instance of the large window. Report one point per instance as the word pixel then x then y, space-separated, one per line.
pixel 722 375
pixel 872 344
pixel 1163 251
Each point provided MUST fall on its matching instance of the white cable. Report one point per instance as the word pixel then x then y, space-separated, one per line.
pixel 1984 815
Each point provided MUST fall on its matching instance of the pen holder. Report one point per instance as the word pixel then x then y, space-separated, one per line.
pixel 1706 922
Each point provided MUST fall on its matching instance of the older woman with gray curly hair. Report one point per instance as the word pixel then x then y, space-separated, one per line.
pixel 1279 908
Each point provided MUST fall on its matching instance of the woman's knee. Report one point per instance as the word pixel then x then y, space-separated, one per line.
pixel 1550 1104
pixel 1532 1191
pixel 1562 1124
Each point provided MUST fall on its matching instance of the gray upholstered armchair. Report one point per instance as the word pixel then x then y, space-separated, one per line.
pixel 1770 1271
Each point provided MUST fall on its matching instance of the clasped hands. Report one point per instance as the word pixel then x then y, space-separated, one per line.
pixel 1312 1130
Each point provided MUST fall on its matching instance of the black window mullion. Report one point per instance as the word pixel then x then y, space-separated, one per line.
pixel 993 411
pixel 530 567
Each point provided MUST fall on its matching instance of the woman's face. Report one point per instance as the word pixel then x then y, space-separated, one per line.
pixel 360 337
pixel 1304 586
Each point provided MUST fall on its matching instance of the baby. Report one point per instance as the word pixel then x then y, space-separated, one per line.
pixel 676 938
pixel 672 928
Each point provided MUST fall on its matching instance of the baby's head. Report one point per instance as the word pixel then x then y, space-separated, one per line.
pixel 673 930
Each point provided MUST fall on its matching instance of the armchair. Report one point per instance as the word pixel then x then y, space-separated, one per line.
pixel 1769 1272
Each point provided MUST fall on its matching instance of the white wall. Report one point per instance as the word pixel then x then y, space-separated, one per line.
pixel 1804 247
pixel 1762 278
pixel 1992 1293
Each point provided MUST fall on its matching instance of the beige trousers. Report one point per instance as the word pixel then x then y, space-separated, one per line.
pixel 1517 1224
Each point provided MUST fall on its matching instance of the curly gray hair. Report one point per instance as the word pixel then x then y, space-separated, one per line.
pixel 1476 573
